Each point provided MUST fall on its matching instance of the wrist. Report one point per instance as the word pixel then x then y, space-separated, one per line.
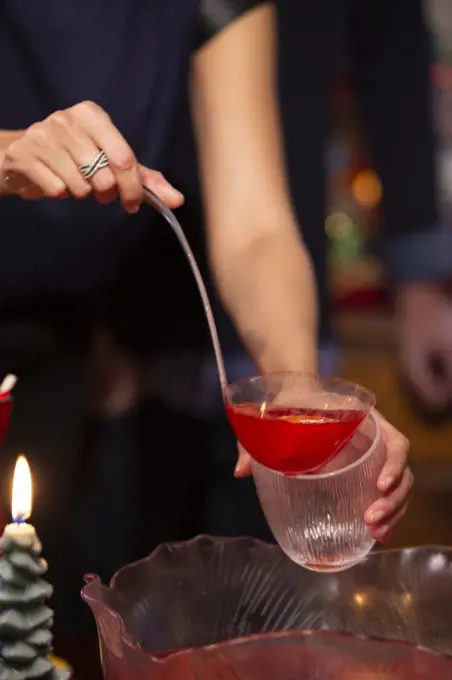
pixel 299 355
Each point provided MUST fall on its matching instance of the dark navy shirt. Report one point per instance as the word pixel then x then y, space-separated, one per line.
pixel 132 58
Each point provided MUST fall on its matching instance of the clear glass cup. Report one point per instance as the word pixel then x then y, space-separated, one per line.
pixel 318 519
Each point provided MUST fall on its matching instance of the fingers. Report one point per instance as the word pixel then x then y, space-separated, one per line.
pixel 243 467
pixel 397 447
pixel 384 532
pixel 48 157
pixel 380 513
pixel 121 158
pixel 395 481
pixel 82 150
pixel 49 154
pixel 25 170
pixel 157 183
pixel 37 180
pixel 58 159
pixel 384 539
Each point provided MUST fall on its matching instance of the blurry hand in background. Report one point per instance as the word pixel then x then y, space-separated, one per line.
pixel 424 315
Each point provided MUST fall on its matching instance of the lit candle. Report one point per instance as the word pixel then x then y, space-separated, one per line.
pixel 19 531
pixel 25 619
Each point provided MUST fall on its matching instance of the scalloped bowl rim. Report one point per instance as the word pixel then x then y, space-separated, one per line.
pixel 92 579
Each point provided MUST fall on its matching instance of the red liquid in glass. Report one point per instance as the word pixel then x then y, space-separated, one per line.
pixel 293 440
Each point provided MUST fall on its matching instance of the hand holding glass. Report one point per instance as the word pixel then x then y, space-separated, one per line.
pixel 316 456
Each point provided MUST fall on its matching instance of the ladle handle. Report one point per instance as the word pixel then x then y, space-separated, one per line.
pixel 154 201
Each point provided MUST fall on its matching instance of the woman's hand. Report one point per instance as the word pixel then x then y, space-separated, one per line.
pixel 45 160
pixel 395 482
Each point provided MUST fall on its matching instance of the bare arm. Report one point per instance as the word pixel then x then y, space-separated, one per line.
pixel 261 266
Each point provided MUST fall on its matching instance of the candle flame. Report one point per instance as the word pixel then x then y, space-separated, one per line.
pixel 22 491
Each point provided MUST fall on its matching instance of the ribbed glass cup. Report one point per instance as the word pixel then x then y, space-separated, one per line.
pixel 318 519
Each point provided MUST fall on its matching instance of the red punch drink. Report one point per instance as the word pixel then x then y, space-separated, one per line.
pixel 293 440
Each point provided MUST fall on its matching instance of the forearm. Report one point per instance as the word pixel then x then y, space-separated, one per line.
pixel 269 291
pixel 7 137
pixel 262 269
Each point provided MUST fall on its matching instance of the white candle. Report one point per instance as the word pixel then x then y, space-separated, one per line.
pixel 19 530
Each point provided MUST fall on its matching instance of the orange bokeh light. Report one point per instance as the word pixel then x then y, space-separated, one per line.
pixel 367 190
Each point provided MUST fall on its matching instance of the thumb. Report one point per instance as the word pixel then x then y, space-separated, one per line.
pixel 157 183
pixel 243 467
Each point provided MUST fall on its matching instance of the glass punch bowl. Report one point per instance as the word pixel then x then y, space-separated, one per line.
pixel 239 609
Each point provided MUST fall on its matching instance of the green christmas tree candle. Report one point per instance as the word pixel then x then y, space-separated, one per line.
pixel 25 618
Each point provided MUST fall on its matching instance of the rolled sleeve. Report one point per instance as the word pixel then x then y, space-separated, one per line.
pixel 215 15
pixel 420 256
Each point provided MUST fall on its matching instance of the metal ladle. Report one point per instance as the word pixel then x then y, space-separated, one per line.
pixel 153 200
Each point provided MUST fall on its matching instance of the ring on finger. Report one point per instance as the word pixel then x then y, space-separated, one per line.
pixel 88 170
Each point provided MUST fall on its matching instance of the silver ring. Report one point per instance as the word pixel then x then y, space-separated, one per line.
pixel 89 169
